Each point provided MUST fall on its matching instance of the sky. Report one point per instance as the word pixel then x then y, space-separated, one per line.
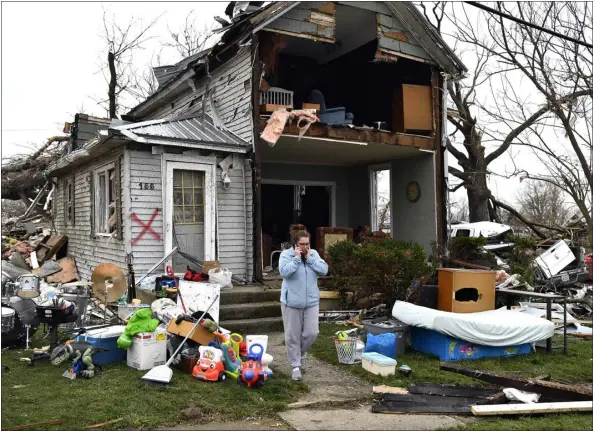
pixel 51 65
pixel 51 68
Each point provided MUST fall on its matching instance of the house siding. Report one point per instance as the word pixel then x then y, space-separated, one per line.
pixel 146 167
pixel 88 252
pixel 231 86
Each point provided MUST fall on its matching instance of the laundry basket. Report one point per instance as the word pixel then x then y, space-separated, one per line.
pixel 346 348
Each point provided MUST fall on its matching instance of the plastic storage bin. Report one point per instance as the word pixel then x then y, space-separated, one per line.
pixel 107 339
pixel 385 325
pixel 148 350
pixel 378 364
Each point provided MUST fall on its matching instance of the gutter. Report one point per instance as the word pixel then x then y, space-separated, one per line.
pixel 81 153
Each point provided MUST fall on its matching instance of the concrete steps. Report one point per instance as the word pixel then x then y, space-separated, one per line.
pixel 254 326
pixel 251 309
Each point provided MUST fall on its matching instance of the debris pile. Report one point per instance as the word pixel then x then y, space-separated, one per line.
pixel 504 396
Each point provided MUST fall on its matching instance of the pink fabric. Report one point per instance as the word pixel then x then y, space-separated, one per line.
pixel 278 121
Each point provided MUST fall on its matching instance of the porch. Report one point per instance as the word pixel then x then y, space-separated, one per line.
pixel 356 183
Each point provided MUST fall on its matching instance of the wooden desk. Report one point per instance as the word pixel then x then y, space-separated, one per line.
pixel 548 298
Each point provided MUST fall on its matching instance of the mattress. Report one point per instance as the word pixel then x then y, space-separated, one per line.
pixel 499 327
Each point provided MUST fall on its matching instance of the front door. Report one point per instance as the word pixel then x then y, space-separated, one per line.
pixel 190 220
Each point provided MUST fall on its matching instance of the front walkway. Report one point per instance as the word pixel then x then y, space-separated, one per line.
pixel 341 401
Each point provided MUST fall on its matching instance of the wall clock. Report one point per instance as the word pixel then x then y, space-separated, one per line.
pixel 413 191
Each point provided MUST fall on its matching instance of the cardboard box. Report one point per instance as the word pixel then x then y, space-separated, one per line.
pixel 315 106
pixel 201 335
pixel 210 264
pixel 466 290
pixel 148 350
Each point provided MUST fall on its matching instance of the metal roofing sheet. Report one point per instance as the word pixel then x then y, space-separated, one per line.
pixel 187 129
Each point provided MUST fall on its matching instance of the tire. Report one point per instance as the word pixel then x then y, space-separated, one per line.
pixel 222 377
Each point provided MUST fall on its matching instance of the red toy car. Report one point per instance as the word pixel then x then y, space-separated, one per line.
pixel 210 367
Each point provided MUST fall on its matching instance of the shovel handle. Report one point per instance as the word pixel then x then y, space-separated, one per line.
pixel 191 331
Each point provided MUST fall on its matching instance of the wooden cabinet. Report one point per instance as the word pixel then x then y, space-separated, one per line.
pixel 412 108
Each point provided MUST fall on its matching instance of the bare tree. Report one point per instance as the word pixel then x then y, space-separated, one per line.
pixel 459 210
pixel 543 203
pixel 188 39
pixel 510 53
pixel 554 110
pixel 121 42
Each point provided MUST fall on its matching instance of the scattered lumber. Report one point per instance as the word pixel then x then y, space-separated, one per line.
pixel 430 398
pixel 392 408
pixel 549 390
pixel 68 271
pixel 384 389
pixel 451 390
pixel 102 424
pixel 522 409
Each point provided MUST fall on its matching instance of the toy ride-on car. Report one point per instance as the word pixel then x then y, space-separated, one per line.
pixel 210 366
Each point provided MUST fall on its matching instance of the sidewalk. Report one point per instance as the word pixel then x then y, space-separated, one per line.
pixel 341 401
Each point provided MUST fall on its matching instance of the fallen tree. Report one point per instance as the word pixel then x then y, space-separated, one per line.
pixel 22 176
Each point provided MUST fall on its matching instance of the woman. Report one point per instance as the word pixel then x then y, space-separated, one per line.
pixel 299 267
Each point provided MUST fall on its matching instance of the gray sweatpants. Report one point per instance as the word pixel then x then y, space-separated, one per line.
pixel 301 327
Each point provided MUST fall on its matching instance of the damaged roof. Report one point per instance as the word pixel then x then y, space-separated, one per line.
pixel 164 74
pixel 245 24
pixel 189 129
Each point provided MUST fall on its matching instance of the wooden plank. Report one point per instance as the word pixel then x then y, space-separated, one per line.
pixel 102 424
pixel 429 400
pixel 549 389
pixel 522 409
pixel 67 274
pixel 451 390
pixel 384 389
pixel 411 408
pixel 338 133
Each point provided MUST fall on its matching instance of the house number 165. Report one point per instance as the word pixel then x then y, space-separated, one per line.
pixel 146 186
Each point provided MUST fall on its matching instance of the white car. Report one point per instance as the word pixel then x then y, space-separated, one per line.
pixel 496 234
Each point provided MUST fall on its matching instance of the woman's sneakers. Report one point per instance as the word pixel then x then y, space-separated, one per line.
pixel 296 374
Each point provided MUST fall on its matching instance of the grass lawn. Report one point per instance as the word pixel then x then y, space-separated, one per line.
pixel 576 367
pixel 40 393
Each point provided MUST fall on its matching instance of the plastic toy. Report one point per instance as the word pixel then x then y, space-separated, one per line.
pixel 243 349
pixel 81 356
pixel 236 340
pixel 231 362
pixel 210 367
pixel 252 372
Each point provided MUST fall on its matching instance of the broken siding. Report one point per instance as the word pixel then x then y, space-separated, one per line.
pixel 88 252
pixel 310 20
pixel 146 167
pixel 395 38
pixel 231 86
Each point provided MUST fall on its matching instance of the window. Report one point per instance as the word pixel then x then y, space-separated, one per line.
pixel 105 206
pixel 462 232
pixel 69 201
pixel 188 196
pixel 380 199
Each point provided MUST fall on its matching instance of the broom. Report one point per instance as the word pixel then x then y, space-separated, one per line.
pixel 163 374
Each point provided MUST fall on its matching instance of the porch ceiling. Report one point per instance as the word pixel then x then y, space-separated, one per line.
pixel 321 151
